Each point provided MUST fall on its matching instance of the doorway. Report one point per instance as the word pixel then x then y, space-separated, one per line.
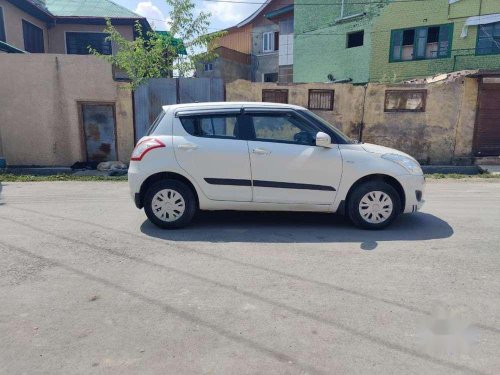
pixel 487 131
pixel 99 131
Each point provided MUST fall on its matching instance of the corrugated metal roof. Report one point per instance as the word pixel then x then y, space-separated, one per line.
pixel 88 8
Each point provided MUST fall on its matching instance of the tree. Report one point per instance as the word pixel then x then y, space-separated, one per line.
pixel 156 55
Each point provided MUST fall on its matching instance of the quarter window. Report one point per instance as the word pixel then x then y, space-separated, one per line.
pixel 33 38
pixel 80 43
pixel 488 41
pixel 216 126
pixel 421 43
pixel 283 128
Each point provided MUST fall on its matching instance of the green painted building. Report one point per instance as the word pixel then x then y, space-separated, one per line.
pixel 333 41
pixel 415 40
pixel 394 40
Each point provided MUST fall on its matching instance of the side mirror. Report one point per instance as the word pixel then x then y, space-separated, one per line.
pixel 323 140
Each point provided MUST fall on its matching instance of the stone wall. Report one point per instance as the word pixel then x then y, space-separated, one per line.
pixel 442 134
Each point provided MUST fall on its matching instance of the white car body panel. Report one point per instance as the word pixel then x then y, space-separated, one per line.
pixel 298 164
pixel 203 158
pixel 339 167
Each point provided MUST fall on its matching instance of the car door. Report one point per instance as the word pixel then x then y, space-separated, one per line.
pixel 208 148
pixel 287 166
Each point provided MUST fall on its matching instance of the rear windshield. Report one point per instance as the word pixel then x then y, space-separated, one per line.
pixel 156 122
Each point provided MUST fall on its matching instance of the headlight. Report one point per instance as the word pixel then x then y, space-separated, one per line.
pixel 409 164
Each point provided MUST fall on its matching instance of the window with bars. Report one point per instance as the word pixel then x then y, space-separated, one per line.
pixel 80 43
pixel 275 96
pixel 321 99
pixel 33 38
pixel 405 100
pixel 421 43
pixel 488 39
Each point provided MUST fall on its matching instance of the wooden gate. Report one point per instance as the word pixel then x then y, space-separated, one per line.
pixel 487 131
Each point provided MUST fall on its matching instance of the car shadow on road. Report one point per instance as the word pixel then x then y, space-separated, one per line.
pixel 281 227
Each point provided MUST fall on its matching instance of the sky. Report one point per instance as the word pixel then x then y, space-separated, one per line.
pixel 223 14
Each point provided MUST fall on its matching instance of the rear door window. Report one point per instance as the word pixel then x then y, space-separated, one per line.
pixel 212 126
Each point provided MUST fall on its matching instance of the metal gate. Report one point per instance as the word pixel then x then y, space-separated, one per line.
pixel 487 132
pixel 150 97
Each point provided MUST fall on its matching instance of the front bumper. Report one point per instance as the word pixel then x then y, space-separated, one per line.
pixel 414 187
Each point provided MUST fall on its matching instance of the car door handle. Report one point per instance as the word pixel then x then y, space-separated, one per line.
pixel 187 146
pixel 261 151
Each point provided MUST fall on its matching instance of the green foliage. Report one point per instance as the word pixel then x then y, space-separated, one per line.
pixel 154 55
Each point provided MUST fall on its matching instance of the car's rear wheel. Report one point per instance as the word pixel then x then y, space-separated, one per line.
pixel 374 205
pixel 169 204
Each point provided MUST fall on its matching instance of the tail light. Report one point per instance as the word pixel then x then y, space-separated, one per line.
pixel 144 147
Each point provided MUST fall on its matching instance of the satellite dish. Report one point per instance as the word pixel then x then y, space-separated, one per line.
pixel 330 77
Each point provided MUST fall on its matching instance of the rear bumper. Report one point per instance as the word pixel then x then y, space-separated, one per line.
pixel 135 179
pixel 414 187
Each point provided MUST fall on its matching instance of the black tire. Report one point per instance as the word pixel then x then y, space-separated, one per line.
pixel 182 189
pixel 353 204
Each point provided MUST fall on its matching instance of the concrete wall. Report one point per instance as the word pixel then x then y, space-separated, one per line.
pixel 435 12
pixel 13 21
pixel 39 98
pixel 441 135
pixel 226 69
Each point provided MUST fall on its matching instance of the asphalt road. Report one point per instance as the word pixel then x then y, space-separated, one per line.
pixel 89 286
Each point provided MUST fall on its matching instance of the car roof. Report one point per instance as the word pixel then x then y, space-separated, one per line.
pixel 228 105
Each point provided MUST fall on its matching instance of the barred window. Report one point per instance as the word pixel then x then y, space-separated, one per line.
pixel 275 96
pixel 321 99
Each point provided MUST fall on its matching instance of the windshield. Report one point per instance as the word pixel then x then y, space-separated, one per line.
pixel 314 117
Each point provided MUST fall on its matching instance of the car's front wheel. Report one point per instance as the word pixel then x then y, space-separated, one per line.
pixel 169 204
pixel 374 205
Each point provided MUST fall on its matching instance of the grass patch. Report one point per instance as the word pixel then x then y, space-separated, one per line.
pixel 9 177
pixel 456 176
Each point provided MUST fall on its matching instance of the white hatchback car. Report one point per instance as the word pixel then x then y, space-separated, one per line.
pixel 266 157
